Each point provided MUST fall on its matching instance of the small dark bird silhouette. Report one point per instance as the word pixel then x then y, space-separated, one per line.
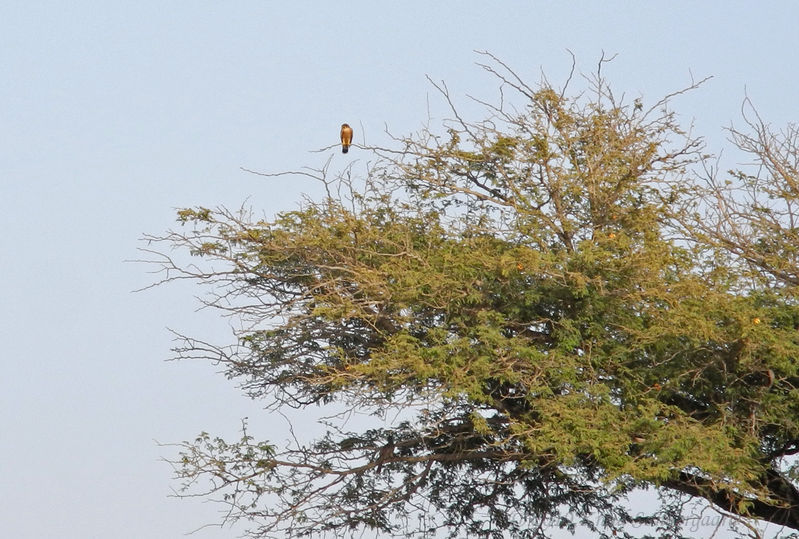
pixel 346 138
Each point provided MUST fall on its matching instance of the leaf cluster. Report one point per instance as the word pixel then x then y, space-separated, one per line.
pixel 565 307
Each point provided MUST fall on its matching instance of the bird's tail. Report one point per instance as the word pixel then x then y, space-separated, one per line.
pixel 345 148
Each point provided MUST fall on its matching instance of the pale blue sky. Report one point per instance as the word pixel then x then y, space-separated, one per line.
pixel 112 114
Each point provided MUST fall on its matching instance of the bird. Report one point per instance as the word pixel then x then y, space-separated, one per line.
pixel 346 137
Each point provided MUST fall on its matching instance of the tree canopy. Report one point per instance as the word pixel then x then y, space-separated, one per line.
pixel 564 301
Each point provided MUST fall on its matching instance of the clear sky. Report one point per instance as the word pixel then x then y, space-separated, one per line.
pixel 112 114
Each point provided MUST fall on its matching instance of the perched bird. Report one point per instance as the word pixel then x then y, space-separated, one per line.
pixel 346 138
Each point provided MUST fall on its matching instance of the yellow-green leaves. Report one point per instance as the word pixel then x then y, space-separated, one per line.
pixel 540 292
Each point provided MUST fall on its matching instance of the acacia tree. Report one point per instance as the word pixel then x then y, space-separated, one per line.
pixel 563 301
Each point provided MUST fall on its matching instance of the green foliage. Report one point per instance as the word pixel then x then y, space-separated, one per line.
pixel 537 291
